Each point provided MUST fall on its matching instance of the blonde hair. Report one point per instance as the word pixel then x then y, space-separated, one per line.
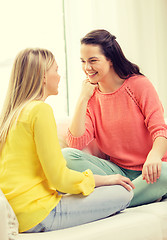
pixel 25 85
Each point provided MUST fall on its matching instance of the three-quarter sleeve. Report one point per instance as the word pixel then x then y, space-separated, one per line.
pixel 148 101
pixel 50 156
pixel 85 139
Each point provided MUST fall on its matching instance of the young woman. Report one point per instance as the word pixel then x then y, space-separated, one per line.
pixel 32 169
pixel 119 107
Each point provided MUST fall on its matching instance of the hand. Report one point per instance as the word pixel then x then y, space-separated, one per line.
pixel 118 179
pixel 152 168
pixel 115 179
pixel 88 89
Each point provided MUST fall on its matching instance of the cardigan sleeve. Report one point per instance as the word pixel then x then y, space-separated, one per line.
pixel 146 97
pixel 50 156
pixel 86 138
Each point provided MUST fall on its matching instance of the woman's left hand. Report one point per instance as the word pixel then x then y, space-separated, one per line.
pixel 152 168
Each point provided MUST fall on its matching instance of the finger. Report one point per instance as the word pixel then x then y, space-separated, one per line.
pixel 129 182
pixel 97 86
pixel 159 171
pixel 143 173
pixel 85 81
pixel 150 174
pixel 146 177
pixel 125 185
pixel 155 173
pixel 132 185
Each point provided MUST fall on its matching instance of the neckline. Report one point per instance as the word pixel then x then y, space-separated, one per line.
pixel 124 83
pixel 114 92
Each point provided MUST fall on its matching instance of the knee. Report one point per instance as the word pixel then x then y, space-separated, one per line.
pixel 70 153
pixel 128 196
pixel 72 157
pixel 123 196
pixel 67 152
pixel 127 199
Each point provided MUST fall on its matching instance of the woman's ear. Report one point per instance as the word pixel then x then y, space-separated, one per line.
pixel 110 62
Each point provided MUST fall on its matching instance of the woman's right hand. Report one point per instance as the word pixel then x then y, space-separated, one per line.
pixel 77 126
pixel 87 89
pixel 115 179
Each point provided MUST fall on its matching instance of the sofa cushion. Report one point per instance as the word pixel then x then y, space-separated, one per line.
pixel 158 209
pixel 8 220
pixel 127 226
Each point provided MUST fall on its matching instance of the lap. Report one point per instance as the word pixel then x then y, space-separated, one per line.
pixel 80 161
pixel 143 192
pixel 74 210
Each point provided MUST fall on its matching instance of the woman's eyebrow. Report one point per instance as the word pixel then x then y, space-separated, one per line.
pixel 90 58
pixel 93 57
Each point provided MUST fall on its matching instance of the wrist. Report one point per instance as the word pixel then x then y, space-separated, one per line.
pixel 101 180
pixel 154 152
pixel 83 99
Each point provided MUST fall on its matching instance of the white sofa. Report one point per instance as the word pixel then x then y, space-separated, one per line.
pixel 147 222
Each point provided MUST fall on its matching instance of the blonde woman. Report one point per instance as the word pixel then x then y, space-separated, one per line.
pixel 32 168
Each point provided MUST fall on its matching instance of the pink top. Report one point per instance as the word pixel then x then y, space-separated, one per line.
pixel 125 123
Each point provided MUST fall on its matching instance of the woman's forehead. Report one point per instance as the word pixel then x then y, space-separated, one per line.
pixel 90 50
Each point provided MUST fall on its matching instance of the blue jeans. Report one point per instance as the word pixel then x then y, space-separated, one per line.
pixel 74 210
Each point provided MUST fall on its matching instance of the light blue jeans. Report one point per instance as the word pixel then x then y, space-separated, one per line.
pixel 143 193
pixel 74 210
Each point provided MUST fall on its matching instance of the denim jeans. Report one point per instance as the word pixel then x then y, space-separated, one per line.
pixel 74 210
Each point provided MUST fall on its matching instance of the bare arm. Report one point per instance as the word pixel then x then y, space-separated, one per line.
pixel 77 127
pixel 152 167
pixel 115 179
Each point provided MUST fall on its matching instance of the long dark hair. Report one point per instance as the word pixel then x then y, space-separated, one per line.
pixel 112 51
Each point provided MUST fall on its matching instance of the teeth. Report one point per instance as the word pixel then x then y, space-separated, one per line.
pixel 91 74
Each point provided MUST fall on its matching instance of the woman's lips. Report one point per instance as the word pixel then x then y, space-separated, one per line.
pixel 91 74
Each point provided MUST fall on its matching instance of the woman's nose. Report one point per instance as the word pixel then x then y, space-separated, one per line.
pixel 88 66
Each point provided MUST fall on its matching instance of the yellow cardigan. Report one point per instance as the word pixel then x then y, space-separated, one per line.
pixel 32 167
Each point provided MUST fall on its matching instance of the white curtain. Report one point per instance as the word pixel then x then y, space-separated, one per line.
pixel 140 28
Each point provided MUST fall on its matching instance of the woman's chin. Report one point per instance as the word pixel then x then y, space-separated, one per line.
pixel 93 81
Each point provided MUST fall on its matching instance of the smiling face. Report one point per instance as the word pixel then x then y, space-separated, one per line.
pixel 94 63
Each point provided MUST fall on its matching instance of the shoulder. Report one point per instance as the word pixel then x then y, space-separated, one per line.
pixel 35 109
pixel 139 81
pixel 37 106
pixel 141 90
pixel 140 85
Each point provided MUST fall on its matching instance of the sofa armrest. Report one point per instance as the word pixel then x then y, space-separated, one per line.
pixel 3 220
